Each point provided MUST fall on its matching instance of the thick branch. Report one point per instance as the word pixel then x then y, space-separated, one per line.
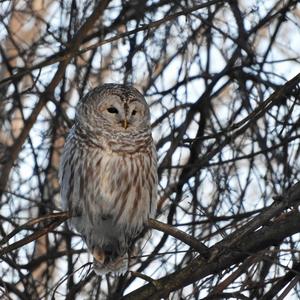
pixel 231 251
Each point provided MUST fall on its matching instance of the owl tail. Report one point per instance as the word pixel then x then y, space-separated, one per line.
pixel 103 264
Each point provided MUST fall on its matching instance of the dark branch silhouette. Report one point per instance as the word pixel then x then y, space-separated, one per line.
pixel 222 81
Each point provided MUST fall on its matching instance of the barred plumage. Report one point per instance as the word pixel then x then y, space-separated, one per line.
pixel 108 173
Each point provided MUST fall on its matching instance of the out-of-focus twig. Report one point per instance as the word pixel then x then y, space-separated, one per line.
pixel 55 220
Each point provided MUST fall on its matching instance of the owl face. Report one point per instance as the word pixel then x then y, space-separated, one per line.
pixel 123 113
pixel 115 107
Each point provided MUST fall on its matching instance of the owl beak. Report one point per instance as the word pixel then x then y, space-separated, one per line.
pixel 125 123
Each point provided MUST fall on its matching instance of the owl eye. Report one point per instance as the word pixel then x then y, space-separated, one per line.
pixel 112 110
pixel 133 112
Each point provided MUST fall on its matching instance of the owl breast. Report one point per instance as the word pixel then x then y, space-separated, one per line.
pixel 127 188
pixel 113 193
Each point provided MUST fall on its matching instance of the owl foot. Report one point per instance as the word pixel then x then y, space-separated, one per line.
pixel 99 255
pixel 117 266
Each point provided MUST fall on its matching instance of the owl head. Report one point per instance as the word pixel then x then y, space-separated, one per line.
pixel 113 108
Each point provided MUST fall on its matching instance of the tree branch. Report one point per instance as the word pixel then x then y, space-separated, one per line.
pixel 232 250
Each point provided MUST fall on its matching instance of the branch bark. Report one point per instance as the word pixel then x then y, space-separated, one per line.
pixel 232 250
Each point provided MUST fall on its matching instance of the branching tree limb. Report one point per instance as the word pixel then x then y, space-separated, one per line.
pixel 222 82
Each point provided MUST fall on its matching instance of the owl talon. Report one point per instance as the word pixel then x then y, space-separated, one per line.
pixel 99 255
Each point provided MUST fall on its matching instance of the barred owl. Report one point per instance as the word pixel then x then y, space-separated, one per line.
pixel 108 174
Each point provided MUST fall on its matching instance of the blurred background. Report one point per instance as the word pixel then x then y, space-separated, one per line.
pixel 219 77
